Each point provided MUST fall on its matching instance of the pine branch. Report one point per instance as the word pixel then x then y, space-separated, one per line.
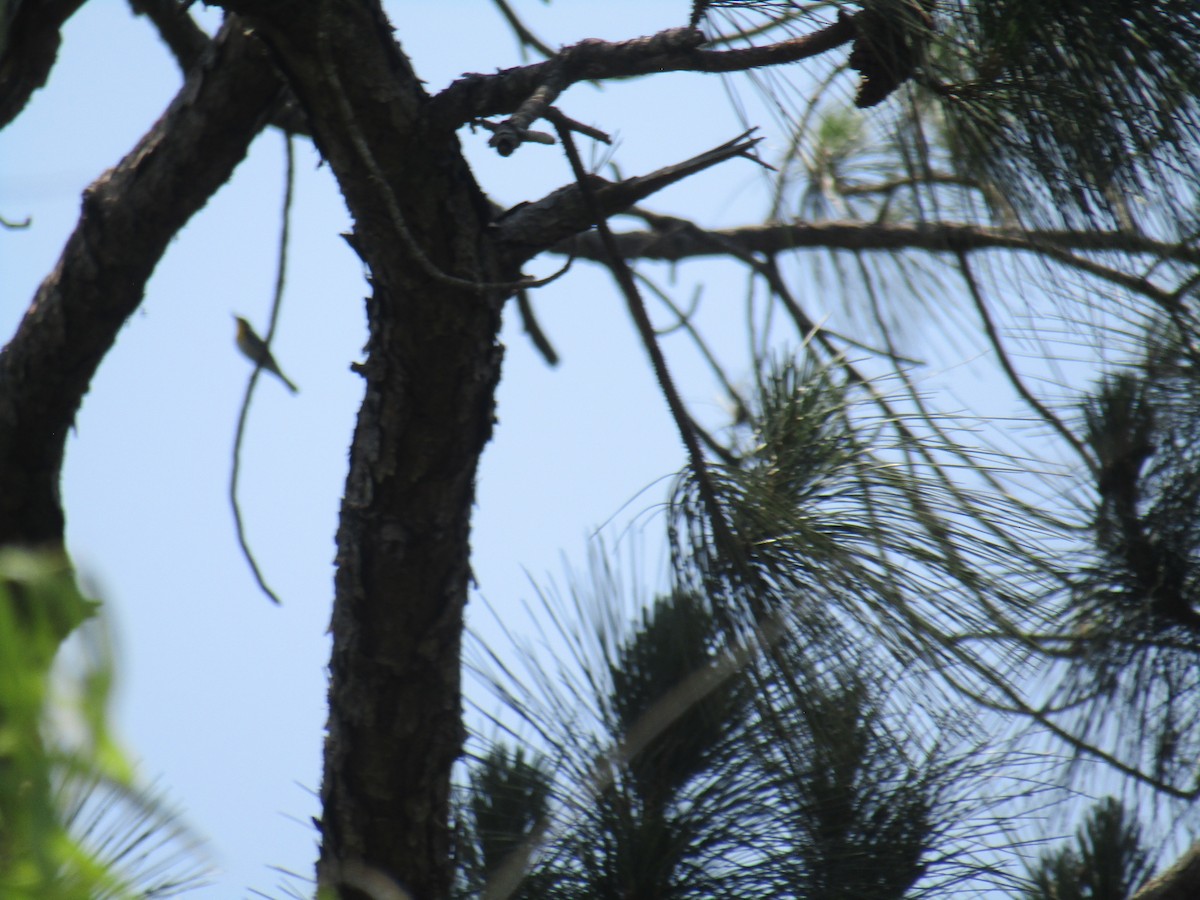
pixel 685 240
pixel 675 50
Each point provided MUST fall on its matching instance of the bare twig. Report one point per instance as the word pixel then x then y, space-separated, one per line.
pixel 1010 371
pixel 514 131
pixel 524 35
pixel 179 31
pixel 741 409
pixel 532 328
pixel 637 310
pixel 276 300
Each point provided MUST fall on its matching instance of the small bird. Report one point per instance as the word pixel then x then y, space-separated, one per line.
pixel 255 349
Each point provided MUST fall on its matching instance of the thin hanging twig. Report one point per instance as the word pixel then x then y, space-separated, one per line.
pixel 280 276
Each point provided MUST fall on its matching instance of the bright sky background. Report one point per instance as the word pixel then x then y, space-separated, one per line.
pixel 222 694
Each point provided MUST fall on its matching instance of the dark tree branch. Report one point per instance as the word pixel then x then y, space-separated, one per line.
pixel 533 328
pixel 1180 882
pixel 684 240
pixel 478 96
pixel 187 41
pixel 32 47
pixel 123 230
pixel 433 362
pixel 637 311
pixel 179 31
pixel 529 228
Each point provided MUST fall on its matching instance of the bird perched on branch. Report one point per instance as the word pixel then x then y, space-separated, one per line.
pixel 256 350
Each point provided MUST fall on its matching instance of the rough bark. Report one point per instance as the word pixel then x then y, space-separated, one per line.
pixel 30 51
pixel 123 230
pixel 674 50
pixel 395 724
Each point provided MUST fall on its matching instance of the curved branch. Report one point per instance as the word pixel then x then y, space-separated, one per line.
pixel 123 230
pixel 1180 882
pixel 533 328
pixel 179 31
pixel 30 51
pixel 240 432
pixel 637 310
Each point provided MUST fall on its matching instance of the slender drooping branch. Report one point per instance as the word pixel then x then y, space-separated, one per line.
pixel 285 216
pixel 637 311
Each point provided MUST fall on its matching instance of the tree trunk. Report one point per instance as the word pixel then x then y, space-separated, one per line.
pixel 433 362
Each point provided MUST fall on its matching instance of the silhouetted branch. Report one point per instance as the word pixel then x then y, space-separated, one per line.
pixel 99 280
pixel 677 243
pixel 26 60
pixel 529 228
pixel 179 31
pixel 477 96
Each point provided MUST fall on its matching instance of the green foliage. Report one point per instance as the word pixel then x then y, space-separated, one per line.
pixel 1090 100
pixel 748 739
pixel 72 825
pixel 502 813
pixel 824 525
pixel 1144 429
pixel 1108 861
pixel 725 775
pixel 1134 596
pixel 676 639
